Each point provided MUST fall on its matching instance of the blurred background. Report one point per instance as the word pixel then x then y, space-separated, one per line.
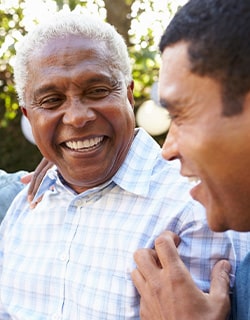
pixel 140 22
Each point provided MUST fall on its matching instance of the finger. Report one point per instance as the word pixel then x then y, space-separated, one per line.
pixel 169 234
pixel 148 308
pixel 145 255
pixel 35 203
pixel 27 178
pixel 146 261
pixel 138 280
pixel 219 290
pixel 165 246
pixel 220 281
pixel 37 177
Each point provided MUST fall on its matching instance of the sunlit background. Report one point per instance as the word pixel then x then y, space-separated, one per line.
pixel 141 23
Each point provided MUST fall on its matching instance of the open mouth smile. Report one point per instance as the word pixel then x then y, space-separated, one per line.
pixel 84 145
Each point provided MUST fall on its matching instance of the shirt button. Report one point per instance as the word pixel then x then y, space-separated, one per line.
pixel 56 317
pixel 51 174
pixel 80 202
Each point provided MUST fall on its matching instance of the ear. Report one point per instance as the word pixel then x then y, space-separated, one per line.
pixel 24 111
pixel 130 95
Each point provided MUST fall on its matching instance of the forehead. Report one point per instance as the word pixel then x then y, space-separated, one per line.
pixel 69 57
pixel 180 89
pixel 175 65
pixel 176 80
pixel 64 63
pixel 70 50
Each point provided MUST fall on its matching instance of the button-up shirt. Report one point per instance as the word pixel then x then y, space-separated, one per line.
pixel 71 256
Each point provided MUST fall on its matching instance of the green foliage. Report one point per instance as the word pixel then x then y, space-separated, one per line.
pixel 10 29
pixel 145 72
pixel 145 63
pixel 144 58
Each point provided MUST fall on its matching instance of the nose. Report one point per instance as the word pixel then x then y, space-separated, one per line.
pixel 78 113
pixel 170 146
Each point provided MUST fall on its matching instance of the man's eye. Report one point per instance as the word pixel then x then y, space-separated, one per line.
pixel 51 102
pixel 98 93
pixel 172 116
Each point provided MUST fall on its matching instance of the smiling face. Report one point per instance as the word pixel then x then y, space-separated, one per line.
pixel 211 147
pixel 81 114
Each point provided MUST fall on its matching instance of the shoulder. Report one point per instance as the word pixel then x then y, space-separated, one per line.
pixel 17 204
pixel 166 176
pixel 10 186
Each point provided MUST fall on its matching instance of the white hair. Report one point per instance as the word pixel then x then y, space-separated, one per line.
pixel 61 25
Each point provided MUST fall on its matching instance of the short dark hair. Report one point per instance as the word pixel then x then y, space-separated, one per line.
pixel 218 37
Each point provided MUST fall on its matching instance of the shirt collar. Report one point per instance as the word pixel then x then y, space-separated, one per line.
pixel 135 172
pixel 133 175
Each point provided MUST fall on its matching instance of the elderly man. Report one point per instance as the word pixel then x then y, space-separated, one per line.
pixel 109 193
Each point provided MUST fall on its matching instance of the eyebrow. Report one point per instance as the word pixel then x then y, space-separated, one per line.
pixel 45 89
pixel 173 105
pixel 167 104
pixel 101 78
pixel 91 80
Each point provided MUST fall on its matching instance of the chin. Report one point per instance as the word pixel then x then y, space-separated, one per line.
pixel 244 227
pixel 217 228
pixel 216 224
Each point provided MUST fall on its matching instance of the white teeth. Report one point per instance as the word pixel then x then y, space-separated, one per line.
pixel 85 144
pixel 194 179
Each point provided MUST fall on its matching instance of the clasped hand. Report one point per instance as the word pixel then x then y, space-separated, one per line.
pixel 167 290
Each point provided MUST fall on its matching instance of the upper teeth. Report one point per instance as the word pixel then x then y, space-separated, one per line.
pixel 87 143
pixel 194 179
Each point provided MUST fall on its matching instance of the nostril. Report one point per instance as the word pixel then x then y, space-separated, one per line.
pixel 172 158
pixel 169 153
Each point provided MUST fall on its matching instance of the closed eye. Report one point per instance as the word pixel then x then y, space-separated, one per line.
pixel 51 102
pixel 97 93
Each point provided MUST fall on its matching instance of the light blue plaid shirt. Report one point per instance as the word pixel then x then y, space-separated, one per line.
pixel 71 257
pixel 10 185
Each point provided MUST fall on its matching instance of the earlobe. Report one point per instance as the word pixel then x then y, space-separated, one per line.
pixel 130 95
pixel 132 84
pixel 24 111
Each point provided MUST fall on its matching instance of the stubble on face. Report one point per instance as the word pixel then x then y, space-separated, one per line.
pixel 211 147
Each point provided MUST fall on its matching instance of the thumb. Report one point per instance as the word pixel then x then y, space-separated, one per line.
pixel 220 282
pixel 27 178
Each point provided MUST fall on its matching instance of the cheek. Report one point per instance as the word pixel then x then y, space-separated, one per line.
pixel 192 141
pixel 42 128
pixel 122 117
pixel 194 151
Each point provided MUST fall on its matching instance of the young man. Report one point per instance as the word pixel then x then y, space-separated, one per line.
pixel 205 85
